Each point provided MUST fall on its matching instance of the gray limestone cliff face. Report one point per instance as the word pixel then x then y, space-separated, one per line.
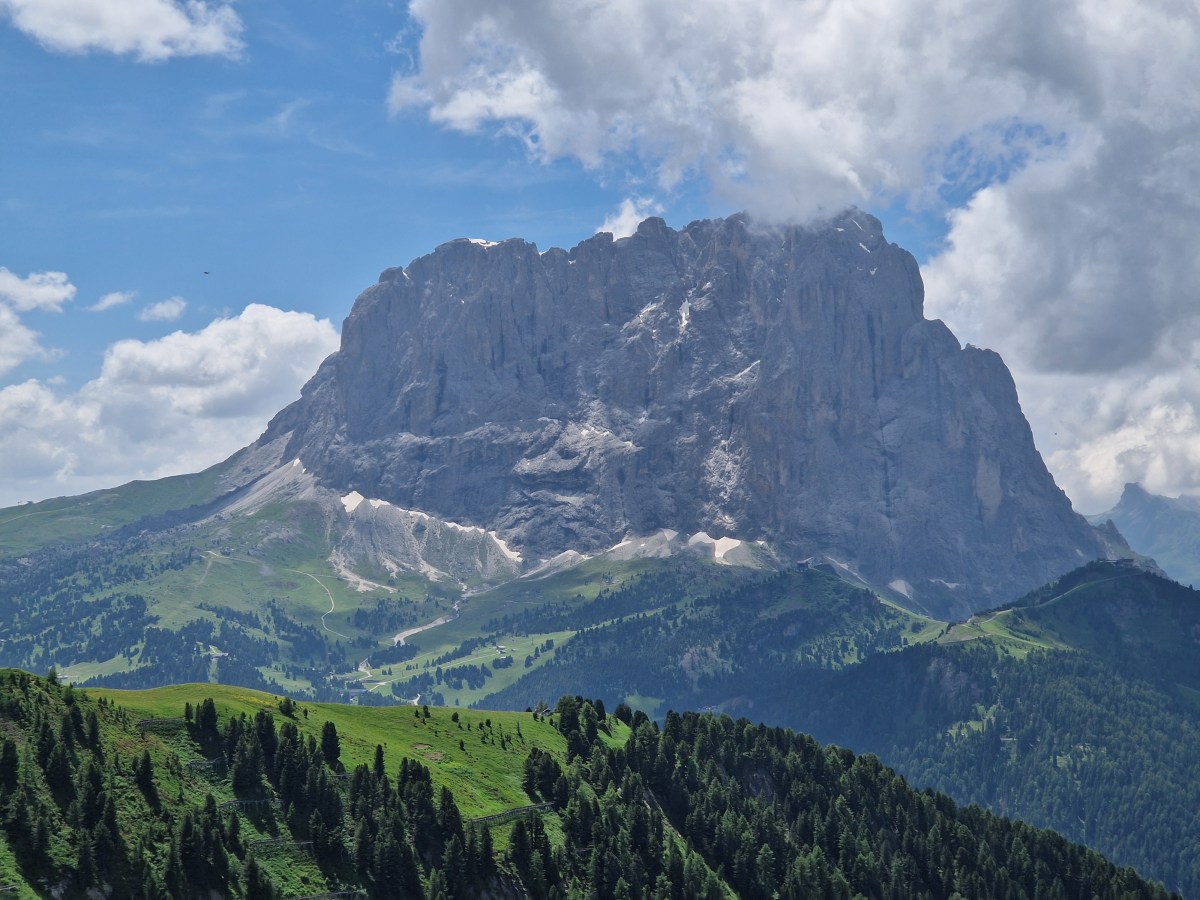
pixel 774 384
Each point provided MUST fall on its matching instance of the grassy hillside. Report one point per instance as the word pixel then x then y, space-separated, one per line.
pixel 478 757
pixel 254 600
pixel 660 642
pixel 484 774
pixel 68 519
pixel 132 588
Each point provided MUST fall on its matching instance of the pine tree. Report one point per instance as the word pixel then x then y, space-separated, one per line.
pixel 364 848
pixel 331 746
pixel 256 883
pixel 92 732
pixel 454 867
pixel 206 720
pixel 144 775
pixel 58 774
pixel 436 888
pixel 9 764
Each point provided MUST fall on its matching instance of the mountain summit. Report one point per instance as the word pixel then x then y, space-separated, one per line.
pixel 761 384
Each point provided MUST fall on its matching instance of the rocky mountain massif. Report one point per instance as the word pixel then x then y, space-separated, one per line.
pixel 777 385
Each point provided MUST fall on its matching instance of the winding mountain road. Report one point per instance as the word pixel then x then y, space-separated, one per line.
pixel 399 639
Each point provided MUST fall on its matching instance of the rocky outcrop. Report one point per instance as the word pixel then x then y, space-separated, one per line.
pixel 758 383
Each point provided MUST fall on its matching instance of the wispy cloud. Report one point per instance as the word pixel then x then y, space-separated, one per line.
pixel 111 300
pixel 163 311
pixel 632 211
pixel 142 212
pixel 234 117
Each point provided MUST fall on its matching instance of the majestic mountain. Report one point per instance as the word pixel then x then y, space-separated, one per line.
pixel 199 791
pixel 1167 528
pixel 763 384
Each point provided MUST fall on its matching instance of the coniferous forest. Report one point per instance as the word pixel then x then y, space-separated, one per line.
pixel 100 799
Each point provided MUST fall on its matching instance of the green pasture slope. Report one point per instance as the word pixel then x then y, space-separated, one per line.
pixel 143 585
pixel 64 519
pixel 729 641
pixel 1076 708
pixel 478 756
pixel 280 615
pixel 484 776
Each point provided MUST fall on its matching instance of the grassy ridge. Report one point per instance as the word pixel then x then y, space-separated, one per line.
pixel 484 776
pixel 63 519
pixel 1122 614
pixel 258 594
pixel 478 756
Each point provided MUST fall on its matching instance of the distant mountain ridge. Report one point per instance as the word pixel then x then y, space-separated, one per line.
pixel 1167 528
pixel 777 385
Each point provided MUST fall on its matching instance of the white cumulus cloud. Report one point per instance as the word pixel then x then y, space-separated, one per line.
pixel 791 107
pixel 629 215
pixel 17 341
pixel 37 290
pixel 163 311
pixel 44 291
pixel 162 407
pixel 149 30
pixel 1060 140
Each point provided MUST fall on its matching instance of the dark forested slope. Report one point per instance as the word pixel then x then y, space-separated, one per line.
pixel 108 794
pixel 1062 739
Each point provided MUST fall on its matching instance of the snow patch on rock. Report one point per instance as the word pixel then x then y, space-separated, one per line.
pixel 659 545
pixel 667 542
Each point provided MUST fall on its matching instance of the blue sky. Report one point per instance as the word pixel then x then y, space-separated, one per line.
pixel 279 172
pixel 1038 160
